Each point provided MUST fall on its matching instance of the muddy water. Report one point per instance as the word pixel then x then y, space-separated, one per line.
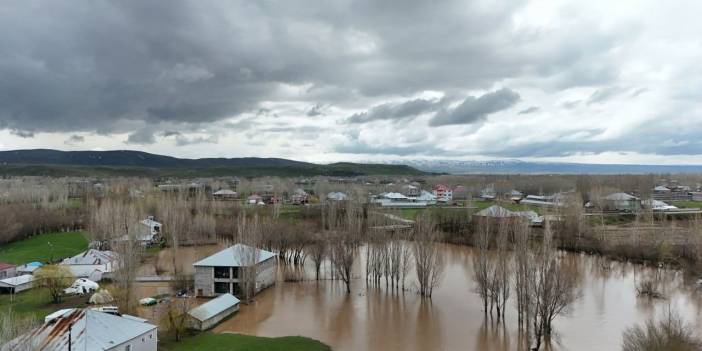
pixel 382 319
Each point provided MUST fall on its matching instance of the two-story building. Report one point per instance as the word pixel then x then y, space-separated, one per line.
pixel 221 273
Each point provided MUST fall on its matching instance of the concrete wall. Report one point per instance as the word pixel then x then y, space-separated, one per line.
pixel 204 280
pixel 266 273
pixel 149 342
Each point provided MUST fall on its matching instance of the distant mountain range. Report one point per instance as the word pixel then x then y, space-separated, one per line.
pixel 137 163
pixel 524 167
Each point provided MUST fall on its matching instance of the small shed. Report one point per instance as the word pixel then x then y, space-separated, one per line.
pixel 224 195
pixel 28 268
pixel 210 313
pixel 7 270
pixel 16 284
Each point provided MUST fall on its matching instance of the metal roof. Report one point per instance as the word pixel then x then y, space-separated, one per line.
pixel 495 211
pixel 16 281
pixel 92 257
pixel 224 192
pixel 335 195
pixel 4 265
pixel 239 255
pixel 621 197
pixel 214 307
pixel 89 330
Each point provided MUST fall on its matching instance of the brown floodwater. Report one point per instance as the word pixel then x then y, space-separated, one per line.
pixel 379 318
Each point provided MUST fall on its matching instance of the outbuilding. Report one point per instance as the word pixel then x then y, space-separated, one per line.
pixel 16 284
pixel 212 312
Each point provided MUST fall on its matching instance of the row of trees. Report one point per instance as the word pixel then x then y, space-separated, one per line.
pixel 544 282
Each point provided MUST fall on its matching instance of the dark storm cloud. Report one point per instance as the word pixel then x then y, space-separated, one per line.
pixel 119 66
pixel 142 136
pixel 74 139
pixel 396 111
pixel 22 133
pixel 474 109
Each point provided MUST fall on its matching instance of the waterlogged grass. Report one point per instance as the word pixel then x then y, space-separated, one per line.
pixel 44 248
pixel 238 342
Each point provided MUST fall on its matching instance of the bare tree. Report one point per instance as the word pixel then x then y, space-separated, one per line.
pixel 13 325
pixel 482 270
pixel 318 253
pixel 553 288
pixel 174 316
pixel 670 333
pixel 248 234
pixel 428 263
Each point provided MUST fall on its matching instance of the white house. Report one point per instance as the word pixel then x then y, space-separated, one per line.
pixel 212 312
pixel 88 330
pixel 337 196
pixel 92 264
pixel 7 270
pixel 220 273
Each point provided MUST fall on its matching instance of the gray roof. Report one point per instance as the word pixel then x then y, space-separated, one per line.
pixel 90 330
pixel 92 257
pixel 621 197
pixel 495 211
pixel 238 255
pixel 214 307
pixel 16 281
pixel 224 192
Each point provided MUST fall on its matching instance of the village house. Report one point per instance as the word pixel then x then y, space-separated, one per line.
pixel 7 270
pixel 225 195
pixel 410 190
pixel 221 273
pixel 443 193
pixel 499 213
pixel 92 264
pixel 88 329
pixel 255 199
pixel 337 196
pixel 212 312
pixel 17 284
pixel 28 268
pixel 621 202
pixel 488 193
pixel 299 197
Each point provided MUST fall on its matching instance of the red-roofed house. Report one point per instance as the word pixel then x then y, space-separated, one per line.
pixel 443 193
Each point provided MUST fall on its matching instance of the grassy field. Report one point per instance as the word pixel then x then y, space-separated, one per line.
pixel 44 247
pixel 38 303
pixel 237 342
pixel 687 204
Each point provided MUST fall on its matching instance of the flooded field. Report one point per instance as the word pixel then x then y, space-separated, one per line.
pixel 377 318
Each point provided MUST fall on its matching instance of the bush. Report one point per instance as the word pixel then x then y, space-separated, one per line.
pixel 670 334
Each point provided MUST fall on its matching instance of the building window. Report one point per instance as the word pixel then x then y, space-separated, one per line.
pixel 128 348
pixel 221 272
pixel 221 288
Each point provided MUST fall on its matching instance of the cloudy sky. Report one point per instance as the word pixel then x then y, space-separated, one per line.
pixel 582 81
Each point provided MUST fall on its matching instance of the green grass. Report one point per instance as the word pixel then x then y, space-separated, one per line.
pixel 37 302
pixel 238 342
pixel 687 204
pixel 37 248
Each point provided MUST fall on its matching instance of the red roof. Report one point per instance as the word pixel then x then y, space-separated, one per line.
pixel 441 187
pixel 4 266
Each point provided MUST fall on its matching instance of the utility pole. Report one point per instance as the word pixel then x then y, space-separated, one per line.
pixel 70 326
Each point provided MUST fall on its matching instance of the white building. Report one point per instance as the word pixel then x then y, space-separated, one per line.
pixel 92 264
pixel 88 330
pixel 212 312
pixel 16 284
pixel 220 273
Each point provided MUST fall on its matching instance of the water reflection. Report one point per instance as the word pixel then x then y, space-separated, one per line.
pixel 380 318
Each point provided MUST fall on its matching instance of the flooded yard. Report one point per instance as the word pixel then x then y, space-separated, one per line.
pixel 379 318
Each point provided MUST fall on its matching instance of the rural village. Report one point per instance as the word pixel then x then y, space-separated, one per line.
pixel 144 264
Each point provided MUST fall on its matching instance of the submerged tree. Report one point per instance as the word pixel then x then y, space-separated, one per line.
pixel 428 264
pixel 669 333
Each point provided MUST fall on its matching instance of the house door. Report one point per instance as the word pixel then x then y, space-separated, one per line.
pixel 199 292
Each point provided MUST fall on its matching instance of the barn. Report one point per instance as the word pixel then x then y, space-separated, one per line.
pixel 210 313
